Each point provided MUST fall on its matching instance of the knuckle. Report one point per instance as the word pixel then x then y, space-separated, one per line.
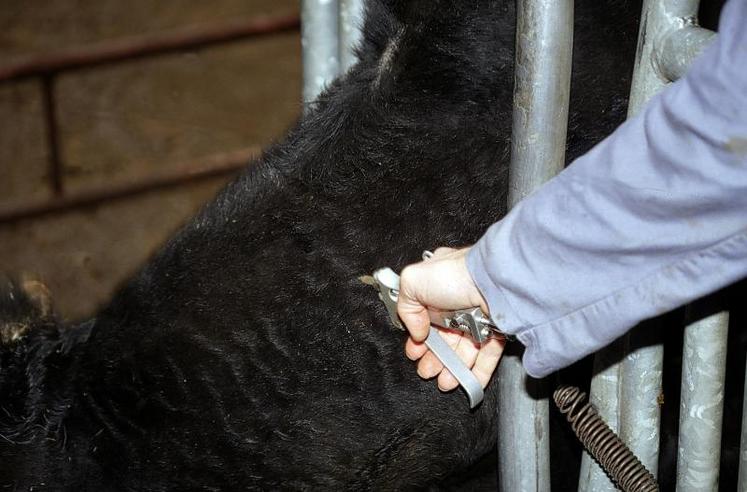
pixel 443 250
pixel 407 276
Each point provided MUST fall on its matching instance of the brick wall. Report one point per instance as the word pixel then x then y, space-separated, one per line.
pixel 124 122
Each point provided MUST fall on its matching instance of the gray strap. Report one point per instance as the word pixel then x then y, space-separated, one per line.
pixel 454 364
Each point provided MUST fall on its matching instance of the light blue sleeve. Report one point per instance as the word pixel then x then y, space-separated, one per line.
pixel 651 218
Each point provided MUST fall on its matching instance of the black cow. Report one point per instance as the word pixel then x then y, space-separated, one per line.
pixel 246 353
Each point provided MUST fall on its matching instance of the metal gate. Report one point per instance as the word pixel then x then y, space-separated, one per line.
pixel 627 392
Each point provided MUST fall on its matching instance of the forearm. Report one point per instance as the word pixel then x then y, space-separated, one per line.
pixel 652 217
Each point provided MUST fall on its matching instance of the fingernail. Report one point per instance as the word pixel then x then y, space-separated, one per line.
pixel 445 389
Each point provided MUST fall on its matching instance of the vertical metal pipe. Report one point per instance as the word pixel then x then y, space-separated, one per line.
pixel 542 84
pixel 320 45
pixel 640 393
pixel 544 42
pixel 742 482
pixel 702 403
pixel 351 23
pixel 639 372
pixel 603 395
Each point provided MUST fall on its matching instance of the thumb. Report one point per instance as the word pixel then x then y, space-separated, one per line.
pixel 411 311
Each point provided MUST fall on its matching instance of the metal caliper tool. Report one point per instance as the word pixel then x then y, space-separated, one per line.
pixel 471 321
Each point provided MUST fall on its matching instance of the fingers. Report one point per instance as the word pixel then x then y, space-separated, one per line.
pixel 442 251
pixel 415 350
pixel 467 351
pixel 429 366
pixel 410 310
pixel 487 360
pixel 483 360
pixel 422 287
pixel 415 317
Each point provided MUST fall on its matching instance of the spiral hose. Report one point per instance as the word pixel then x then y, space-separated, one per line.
pixel 622 466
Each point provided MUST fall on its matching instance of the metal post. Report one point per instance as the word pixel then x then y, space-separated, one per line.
pixel 667 41
pixel 742 482
pixel 604 387
pixel 544 42
pixel 320 45
pixel 640 411
pixel 542 84
pixel 351 23
pixel 702 403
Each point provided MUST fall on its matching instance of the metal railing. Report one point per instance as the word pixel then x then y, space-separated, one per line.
pixel 46 67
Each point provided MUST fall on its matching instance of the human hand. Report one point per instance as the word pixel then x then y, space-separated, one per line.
pixel 443 282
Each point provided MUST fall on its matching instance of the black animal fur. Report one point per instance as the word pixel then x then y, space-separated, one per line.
pixel 246 354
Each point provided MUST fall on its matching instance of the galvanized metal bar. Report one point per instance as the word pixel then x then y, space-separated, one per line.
pixel 680 47
pixel 640 393
pixel 320 45
pixel 544 42
pixel 659 19
pixel 702 404
pixel 742 481
pixel 603 395
pixel 351 24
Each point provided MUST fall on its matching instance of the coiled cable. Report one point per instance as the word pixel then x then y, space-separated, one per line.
pixel 622 466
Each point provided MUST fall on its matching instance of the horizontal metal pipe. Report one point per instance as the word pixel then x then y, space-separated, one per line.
pixel 702 404
pixel 146 45
pixel 658 19
pixel 218 165
pixel 679 48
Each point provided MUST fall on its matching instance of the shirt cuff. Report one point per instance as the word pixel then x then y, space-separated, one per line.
pixel 501 312
pixel 558 343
